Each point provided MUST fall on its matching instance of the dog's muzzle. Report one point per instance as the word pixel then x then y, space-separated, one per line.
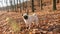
pixel 26 17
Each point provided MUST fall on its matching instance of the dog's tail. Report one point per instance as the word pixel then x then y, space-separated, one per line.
pixel 34 14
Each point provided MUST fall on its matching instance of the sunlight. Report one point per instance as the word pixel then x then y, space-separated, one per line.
pixel 3 3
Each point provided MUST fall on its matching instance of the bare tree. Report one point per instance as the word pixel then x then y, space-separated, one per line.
pixel 33 6
pixel 6 1
pixel 54 4
pixel 17 3
pixel 20 5
pixel 14 6
pixel 57 1
pixel 1 3
pixel 41 4
pixel 11 4
pixel 23 4
pixel 26 6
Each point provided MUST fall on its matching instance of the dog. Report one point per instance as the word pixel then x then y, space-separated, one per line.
pixel 28 19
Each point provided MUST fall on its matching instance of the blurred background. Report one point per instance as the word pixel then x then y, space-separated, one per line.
pixel 11 21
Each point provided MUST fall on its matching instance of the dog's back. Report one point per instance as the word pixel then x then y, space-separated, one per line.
pixel 31 18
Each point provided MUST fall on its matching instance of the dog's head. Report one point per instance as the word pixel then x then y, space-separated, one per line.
pixel 25 16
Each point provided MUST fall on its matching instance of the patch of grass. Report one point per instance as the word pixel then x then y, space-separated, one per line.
pixel 13 24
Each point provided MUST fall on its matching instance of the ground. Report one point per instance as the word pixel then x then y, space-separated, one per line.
pixel 50 18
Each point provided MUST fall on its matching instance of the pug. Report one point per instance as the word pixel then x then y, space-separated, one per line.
pixel 28 19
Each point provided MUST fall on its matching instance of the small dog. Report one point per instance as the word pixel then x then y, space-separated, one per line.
pixel 28 19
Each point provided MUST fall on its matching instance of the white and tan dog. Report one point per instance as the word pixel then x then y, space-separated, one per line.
pixel 28 19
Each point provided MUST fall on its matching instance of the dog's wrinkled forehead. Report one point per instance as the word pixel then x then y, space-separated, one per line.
pixel 24 14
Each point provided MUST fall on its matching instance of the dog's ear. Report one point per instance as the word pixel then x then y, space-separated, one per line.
pixel 22 14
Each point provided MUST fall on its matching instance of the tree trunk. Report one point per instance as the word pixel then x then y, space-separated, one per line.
pixel 11 5
pixel 6 4
pixel 57 1
pixel 23 4
pixel 54 4
pixel 26 6
pixel 41 4
pixel 17 6
pixel 33 6
pixel 20 5
pixel 14 6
